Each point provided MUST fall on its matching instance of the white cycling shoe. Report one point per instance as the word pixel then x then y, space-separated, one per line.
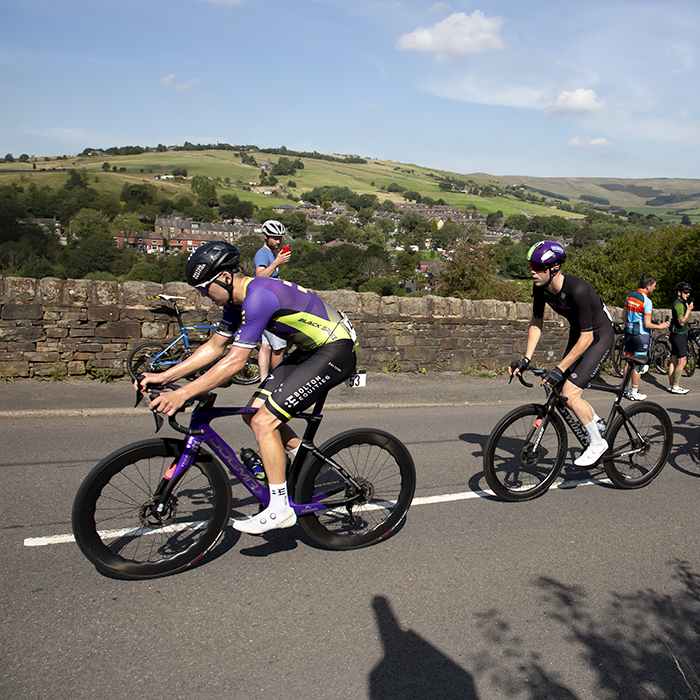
pixel 265 521
pixel 592 454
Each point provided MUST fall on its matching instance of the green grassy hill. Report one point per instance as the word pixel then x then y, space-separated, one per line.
pixel 374 177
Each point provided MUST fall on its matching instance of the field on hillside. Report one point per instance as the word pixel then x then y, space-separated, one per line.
pixel 373 177
pixel 626 193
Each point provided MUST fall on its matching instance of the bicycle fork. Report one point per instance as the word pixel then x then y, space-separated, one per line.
pixel 163 504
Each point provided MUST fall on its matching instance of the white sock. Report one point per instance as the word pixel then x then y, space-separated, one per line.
pixel 593 433
pixel 279 498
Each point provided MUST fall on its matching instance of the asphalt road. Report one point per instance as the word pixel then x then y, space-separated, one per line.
pixel 586 592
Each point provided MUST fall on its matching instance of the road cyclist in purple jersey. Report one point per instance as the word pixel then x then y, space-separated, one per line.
pixel 324 358
pixel 590 338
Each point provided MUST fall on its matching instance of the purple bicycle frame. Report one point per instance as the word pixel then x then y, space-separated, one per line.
pixel 200 422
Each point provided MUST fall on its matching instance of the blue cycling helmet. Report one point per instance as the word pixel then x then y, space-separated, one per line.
pixel 547 253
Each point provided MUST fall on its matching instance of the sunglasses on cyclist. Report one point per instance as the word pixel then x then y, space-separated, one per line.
pixel 203 289
pixel 538 267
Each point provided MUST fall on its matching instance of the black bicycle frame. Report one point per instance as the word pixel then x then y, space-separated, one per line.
pixel 556 401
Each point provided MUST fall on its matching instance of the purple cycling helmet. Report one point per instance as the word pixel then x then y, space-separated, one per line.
pixel 547 253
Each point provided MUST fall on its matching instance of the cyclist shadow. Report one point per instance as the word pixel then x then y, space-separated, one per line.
pixel 477 483
pixel 263 546
pixel 412 667
pixel 685 455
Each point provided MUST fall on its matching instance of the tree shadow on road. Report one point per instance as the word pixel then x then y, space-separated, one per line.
pixel 642 645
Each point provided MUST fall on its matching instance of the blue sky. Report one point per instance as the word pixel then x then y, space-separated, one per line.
pixel 547 88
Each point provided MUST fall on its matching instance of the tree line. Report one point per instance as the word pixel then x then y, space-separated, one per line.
pixel 360 257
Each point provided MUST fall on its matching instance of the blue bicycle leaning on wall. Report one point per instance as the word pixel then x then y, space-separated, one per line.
pixel 157 506
pixel 153 356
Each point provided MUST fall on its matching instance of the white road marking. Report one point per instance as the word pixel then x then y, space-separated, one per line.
pixel 418 501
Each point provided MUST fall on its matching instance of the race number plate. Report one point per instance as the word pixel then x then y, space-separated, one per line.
pixel 357 379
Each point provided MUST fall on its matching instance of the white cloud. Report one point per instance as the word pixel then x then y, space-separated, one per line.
pixel 579 100
pixel 169 81
pixel 188 85
pixel 589 144
pixel 456 37
pixel 469 89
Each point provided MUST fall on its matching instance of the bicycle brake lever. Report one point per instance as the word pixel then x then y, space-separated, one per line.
pixel 158 419
pixel 139 391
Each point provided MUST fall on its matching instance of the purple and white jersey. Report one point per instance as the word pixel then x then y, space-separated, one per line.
pixel 286 309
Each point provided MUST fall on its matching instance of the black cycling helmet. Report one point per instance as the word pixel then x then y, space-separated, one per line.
pixel 210 260
pixel 683 287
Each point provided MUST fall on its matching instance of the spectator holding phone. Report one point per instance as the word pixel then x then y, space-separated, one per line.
pixel 680 311
pixel 267 262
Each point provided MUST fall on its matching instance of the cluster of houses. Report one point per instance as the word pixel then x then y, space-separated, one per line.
pixel 178 234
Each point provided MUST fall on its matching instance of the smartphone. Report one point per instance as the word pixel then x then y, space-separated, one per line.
pixel 286 249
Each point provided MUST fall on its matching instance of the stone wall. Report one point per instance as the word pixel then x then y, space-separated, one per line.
pixel 52 327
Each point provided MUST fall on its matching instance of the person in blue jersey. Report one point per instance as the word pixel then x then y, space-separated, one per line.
pixel 590 338
pixel 638 326
pixel 324 358
pixel 267 263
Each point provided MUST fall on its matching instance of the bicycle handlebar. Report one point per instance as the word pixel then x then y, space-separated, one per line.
pixel 539 372
pixel 154 392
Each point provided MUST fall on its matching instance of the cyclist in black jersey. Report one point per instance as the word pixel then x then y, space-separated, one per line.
pixel 590 337
pixel 325 358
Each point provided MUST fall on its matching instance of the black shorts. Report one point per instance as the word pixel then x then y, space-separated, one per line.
pixel 679 345
pixel 588 365
pixel 637 345
pixel 303 377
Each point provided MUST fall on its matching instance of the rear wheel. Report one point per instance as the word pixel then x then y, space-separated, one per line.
pixel 618 356
pixel 150 357
pixel 524 454
pixel 115 523
pixel 662 354
pixel 639 445
pixel 359 516
pixel 692 360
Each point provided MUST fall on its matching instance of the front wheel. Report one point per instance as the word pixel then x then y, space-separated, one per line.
pixel 525 453
pixel 639 444
pixel 357 516
pixel 250 374
pixel 115 523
